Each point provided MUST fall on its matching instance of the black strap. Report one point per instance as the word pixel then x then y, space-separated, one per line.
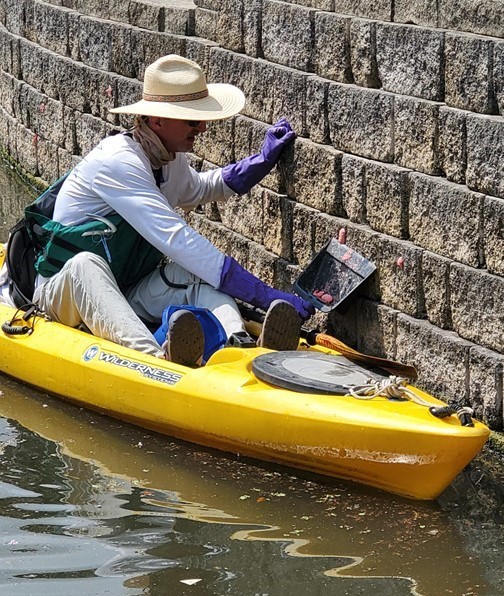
pixel 170 283
pixel 158 176
pixel 62 243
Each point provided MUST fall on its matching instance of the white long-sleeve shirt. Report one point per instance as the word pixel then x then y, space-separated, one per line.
pixel 116 176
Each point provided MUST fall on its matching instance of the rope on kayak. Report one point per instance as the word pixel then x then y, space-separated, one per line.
pixel 396 387
pixel 393 387
pixel 465 416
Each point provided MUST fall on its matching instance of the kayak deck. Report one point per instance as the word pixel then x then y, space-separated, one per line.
pixel 393 445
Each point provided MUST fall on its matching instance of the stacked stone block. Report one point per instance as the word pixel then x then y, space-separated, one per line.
pixel 398 106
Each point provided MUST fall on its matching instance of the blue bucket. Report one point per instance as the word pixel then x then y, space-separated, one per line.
pixel 215 336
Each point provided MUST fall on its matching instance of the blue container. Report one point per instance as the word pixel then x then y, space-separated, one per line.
pixel 215 336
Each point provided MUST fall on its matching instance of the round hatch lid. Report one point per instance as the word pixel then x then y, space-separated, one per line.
pixel 312 372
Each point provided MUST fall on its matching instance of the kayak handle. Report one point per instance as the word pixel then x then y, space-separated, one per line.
pixel 463 414
pixel 442 411
pixel 9 329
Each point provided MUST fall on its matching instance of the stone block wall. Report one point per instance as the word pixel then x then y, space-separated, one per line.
pixel 398 106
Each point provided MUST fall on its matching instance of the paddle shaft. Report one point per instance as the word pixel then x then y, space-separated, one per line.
pixel 314 338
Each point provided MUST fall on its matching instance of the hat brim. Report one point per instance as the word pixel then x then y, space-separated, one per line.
pixel 223 101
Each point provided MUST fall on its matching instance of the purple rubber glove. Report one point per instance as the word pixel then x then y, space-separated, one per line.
pixel 245 174
pixel 239 283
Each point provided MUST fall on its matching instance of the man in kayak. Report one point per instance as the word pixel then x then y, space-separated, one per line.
pixel 116 214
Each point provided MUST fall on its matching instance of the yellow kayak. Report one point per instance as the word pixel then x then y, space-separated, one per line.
pixel 394 445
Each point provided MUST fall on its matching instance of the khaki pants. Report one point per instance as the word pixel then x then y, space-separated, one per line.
pixel 85 291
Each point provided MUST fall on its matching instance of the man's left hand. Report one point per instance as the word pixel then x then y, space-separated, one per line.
pixel 243 175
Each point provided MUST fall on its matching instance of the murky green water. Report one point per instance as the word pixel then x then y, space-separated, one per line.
pixel 90 505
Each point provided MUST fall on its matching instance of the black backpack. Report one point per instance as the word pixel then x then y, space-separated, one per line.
pixel 20 259
pixel 22 249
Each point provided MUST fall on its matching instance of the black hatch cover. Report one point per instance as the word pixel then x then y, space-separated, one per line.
pixel 310 372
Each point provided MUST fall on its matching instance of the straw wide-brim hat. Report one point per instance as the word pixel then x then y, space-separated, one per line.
pixel 175 87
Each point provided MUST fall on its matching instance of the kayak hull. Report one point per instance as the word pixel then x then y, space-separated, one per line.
pixel 397 446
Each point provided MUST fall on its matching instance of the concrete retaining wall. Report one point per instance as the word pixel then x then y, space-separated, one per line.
pixel 399 109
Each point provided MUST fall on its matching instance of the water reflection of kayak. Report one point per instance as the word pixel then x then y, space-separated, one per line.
pixel 391 444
